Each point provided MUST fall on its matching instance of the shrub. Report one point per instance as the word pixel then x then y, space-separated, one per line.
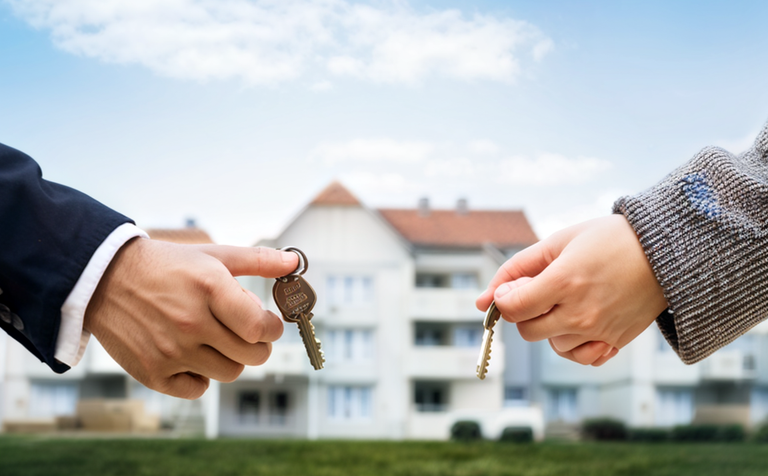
pixel 466 430
pixel 761 433
pixel 695 433
pixel 731 433
pixel 517 434
pixel 604 429
pixel 648 435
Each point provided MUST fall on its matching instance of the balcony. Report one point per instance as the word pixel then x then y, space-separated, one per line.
pixel 449 362
pixel 444 304
pixel 286 359
pixel 729 365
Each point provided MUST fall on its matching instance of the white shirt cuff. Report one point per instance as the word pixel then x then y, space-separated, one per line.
pixel 72 338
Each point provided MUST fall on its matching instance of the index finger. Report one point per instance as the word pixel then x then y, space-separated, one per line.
pixel 253 261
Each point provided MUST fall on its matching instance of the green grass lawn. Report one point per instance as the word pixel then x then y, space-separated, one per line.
pixel 30 456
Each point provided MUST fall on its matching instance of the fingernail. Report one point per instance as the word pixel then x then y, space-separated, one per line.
pixel 502 290
pixel 287 256
pixel 607 352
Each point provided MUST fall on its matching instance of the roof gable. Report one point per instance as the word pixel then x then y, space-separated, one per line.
pixel 470 229
pixel 335 194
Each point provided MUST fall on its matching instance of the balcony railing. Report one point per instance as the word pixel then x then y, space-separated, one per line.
pixel 729 365
pixel 286 359
pixel 444 304
pixel 449 362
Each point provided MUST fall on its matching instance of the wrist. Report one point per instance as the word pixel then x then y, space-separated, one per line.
pixel 112 279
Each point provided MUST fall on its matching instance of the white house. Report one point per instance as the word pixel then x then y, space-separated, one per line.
pixel 400 332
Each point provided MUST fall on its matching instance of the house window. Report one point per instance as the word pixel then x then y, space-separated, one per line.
pixel 430 334
pixel 248 407
pixel 350 403
pixel 460 280
pixel 468 336
pixel 430 396
pixel 758 404
pixel 278 408
pixel 432 280
pixel 346 345
pixel 562 405
pixel 349 290
pixel 515 396
pixel 464 281
pixel 674 406
pixel 52 399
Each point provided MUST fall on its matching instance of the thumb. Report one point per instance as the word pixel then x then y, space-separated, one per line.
pixel 527 298
pixel 253 261
pixel 527 263
pixel 186 385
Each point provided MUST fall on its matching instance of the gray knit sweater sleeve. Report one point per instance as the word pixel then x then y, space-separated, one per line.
pixel 704 229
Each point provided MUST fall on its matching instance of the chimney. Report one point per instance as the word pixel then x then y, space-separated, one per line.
pixel 424 206
pixel 462 206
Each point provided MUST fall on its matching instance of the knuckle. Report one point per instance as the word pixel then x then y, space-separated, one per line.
pixel 255 330
pixel 168 350
pixel 261 353
pixel 192 387
pixel 188 323
pixel 258 256
pixel 208 282
pixel 586 322
pixel 582 360
pixel 231 374
pixel 162 385
pixel 574 284
pixel 525 332
pixel 194 391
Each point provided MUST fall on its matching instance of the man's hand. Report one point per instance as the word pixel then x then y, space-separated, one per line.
pixel 589 289
pixel 174 316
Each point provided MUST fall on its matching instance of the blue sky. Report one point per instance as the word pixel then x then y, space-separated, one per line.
pixel 238 112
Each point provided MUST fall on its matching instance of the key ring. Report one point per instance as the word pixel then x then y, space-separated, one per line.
pixel 303 264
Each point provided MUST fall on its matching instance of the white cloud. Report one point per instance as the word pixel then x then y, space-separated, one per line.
pixel 552 219
pixel 458 167
pixel 270 41
pixel 372 150
pixel 321 86
pixel 739 145
pixel 378 184
pixel 542 48
pixel 399 45
pixel 550 169
pixel 483 147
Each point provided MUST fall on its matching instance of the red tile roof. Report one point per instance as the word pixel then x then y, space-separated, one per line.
pixel 473 228
pixel 445 228
pixel 335 194
pixel 186 236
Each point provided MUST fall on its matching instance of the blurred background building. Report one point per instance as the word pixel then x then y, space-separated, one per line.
pixel 401 336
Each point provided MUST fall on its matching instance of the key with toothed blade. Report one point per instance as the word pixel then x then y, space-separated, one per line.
pixel 491 317
pixel 295 298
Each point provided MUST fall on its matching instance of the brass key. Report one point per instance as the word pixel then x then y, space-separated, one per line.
pixel 491 317
pixel 295 298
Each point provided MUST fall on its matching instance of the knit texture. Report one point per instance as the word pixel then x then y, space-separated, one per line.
pixel 704 229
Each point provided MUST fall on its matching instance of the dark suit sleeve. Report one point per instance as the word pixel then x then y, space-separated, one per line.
pixel 48 233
